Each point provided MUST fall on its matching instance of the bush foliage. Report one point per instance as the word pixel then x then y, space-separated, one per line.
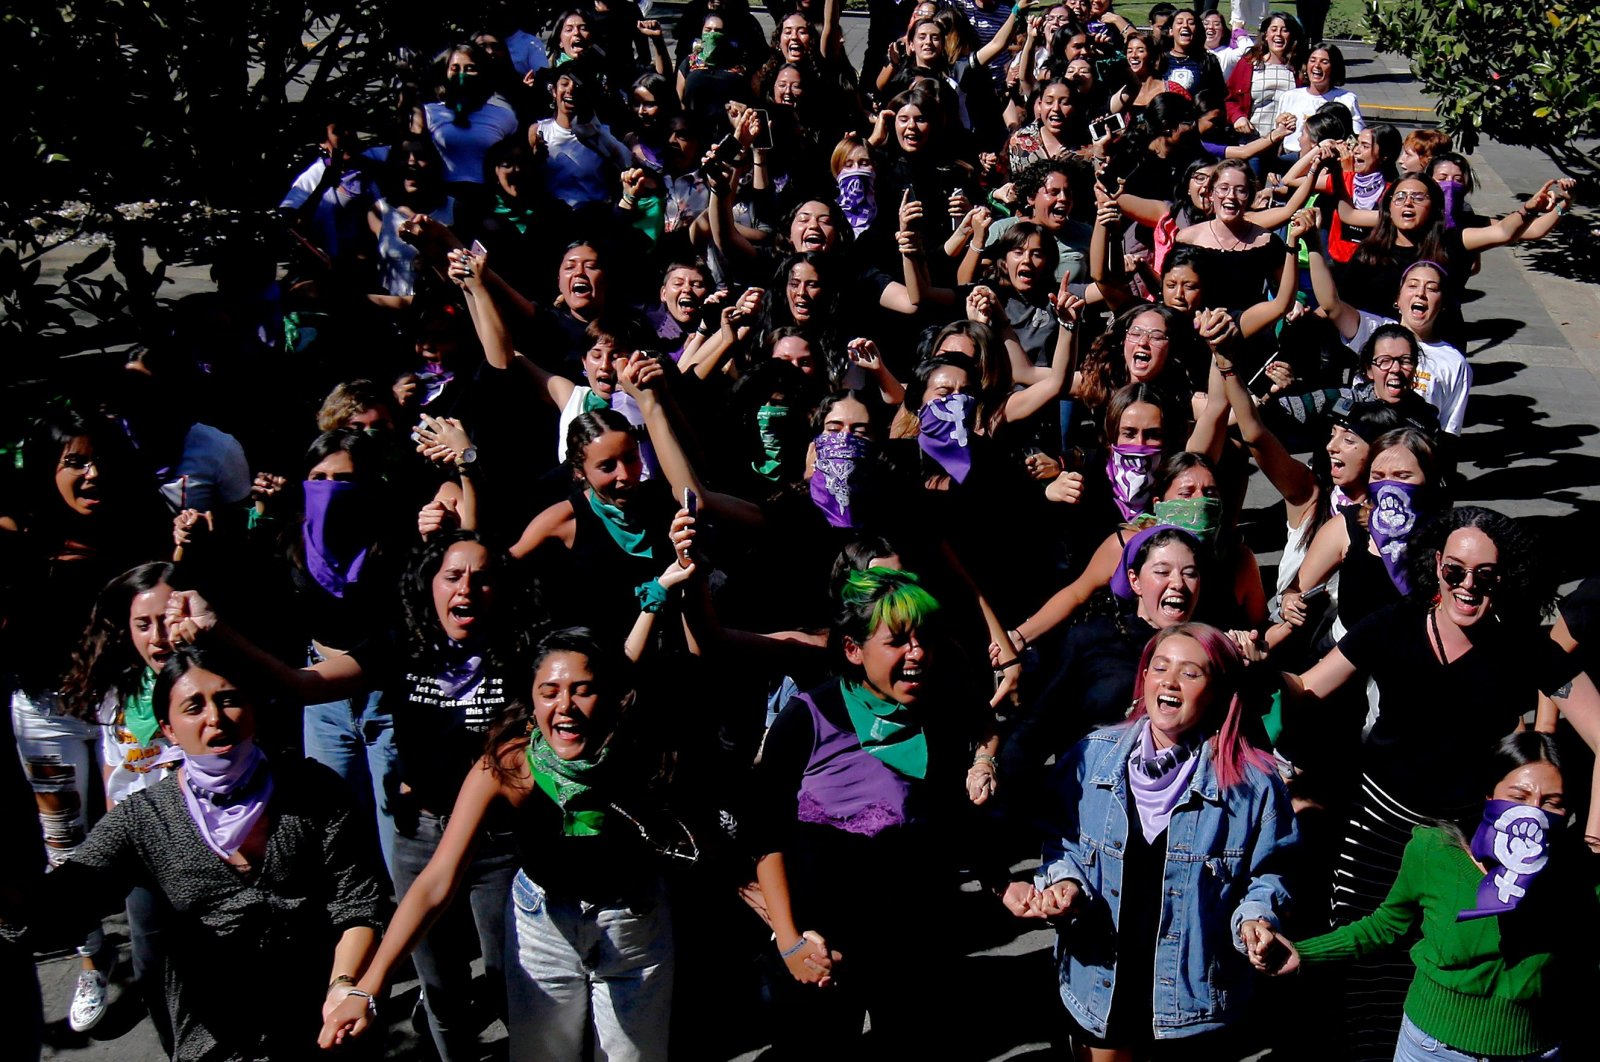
pixel 1518 73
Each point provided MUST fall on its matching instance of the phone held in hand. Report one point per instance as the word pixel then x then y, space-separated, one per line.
pixel 691 502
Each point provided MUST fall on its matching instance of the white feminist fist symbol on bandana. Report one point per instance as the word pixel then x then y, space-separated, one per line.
pixel 952 411
pixel 1519 848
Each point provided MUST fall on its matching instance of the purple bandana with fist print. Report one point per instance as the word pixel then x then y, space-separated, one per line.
pixel 1513 841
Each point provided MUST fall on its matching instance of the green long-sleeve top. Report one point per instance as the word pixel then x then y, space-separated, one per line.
pixel 1487 986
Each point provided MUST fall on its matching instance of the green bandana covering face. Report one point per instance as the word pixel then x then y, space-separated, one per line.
pixel 887 730
pixel 769 421
pixel 616 523
pixel 592 402
pixel 711 42
pixel 518 217
pixel 1201 517
pixel 569 783
pixel 138 711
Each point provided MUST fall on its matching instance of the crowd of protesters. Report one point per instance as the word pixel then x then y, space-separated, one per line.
pixel 692 510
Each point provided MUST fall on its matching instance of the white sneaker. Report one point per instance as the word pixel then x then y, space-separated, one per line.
pixel 88 1002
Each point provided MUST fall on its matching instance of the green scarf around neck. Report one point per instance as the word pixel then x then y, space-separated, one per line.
pixel 887 729
pixel 518 217
pixel 628 539
pixel 570 785
pixel 138 709
pixel 592 401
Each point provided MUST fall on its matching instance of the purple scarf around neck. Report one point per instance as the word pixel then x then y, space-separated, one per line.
pixel 1159 780
pixel 227 795
pixel 335 554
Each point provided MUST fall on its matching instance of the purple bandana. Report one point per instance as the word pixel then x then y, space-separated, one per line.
pixel 947 433
pixel 1159 780
pixel 856 197
pixel 1455 197
pixel 1128 469
pixel 1119 578
pixel 227 795
pixel 837 474
pixel 334 554
pixel 1513 840
pixel 463 675
pixel 1391 522
pixel 1340 500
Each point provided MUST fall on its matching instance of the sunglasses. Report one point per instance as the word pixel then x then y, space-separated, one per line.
pixel 1485 579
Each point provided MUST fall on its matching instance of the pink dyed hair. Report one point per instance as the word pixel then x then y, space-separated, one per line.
pixel 1231 751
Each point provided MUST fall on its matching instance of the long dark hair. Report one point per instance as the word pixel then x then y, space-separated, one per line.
pixel 104 662
pixel 1105 369
pixel 1377 250
pixel 184 659
pixel 423 636
pixel 1526 593
pixel 1297 53
pixel 1513 752
pixel 43 512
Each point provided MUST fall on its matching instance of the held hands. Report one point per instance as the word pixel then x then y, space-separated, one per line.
pixel 189 524
pixel 982 779
pixel 1025 901
pixel 1216 327
pixel 1552 195
pixel 466 269
pixel 1304 223
pixel 639 374
pixel 188 617
pixel 812 965
pixel 349 1018
pixel 1268 950
pixel 1285 125
pixel 441 439
pixel 982 304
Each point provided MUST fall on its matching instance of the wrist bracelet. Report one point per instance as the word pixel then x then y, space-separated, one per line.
pixel 794 950
pixel 984 757
pixel 1020 637
pixel 342 979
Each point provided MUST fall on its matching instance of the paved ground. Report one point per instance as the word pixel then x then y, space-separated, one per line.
pixel 1530 450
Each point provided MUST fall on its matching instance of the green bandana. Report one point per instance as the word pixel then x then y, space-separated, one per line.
pixel 886 730
pixel 592 401
pixel 519 217
pixel 711 45
pixel 616 524
pixel 568 784
pixel 1201 517
pixel 769 421
pixel 138 713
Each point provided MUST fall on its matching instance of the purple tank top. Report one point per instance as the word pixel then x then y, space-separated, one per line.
pixel 845 786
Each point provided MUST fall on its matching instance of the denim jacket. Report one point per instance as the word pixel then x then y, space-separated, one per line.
pixel 1224 849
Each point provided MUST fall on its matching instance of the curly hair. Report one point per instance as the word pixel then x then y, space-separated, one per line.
pixel 1105 369
pixel 1526 593
pixel 104 662
pixel 423 636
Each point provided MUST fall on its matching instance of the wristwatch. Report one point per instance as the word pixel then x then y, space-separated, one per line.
pixel 467 463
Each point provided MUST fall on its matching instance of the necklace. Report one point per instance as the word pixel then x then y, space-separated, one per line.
pixel 1237 243
pixel 1438 639
pixel 675 850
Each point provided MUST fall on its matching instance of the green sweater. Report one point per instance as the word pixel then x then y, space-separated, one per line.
pixel 1488 986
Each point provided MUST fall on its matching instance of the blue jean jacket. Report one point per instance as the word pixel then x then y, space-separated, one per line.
pixel 1224 848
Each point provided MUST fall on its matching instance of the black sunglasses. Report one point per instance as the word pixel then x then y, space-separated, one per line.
pixel 1485 580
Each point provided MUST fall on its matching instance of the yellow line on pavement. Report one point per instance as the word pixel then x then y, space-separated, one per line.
pixel 1397 107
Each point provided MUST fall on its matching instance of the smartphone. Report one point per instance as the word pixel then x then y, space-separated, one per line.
pixel 691 502
pixel 479 248
pixel 1315 592
pixel 1103 128
pixel 764 138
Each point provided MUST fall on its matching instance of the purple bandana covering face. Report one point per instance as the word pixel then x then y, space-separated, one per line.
pixel 226 795
pixel 857 197
pixel 1128 469
pixel 837 474
pixel 1455 196
pixel 1391 523
pixel 334 553
pixel 947 433
pixel 1513 841
pixel 1159 780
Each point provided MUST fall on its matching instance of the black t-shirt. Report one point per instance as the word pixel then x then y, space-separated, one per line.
pixel 1438 723
pixel 1581 610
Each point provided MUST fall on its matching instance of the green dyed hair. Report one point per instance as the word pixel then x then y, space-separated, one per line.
pixel 879 596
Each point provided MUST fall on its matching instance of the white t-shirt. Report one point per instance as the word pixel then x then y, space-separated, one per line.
pixel 397 259
pixel 1443 378
pixel 576 173
pixel 131 764
pixel 1303 103
pixel 219 474
pixel 342 205
pixel 463 146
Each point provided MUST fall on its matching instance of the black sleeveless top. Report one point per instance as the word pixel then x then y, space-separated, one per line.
pixel 1364 583
pixel 592 583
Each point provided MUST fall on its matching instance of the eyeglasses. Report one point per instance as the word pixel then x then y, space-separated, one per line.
pixel 1154 335
pixel 1385 362
pixel 1485 579
pixel 79 462
pixel 1411 197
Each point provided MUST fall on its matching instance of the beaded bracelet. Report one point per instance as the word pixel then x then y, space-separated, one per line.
pixel 796 949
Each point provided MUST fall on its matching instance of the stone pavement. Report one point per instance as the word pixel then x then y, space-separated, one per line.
pixel 1530 449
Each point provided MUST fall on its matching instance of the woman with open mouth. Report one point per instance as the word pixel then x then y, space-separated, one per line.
pixel 859 780
pixel 74 522
pixel 235 845
pixel 1162 863
pixel 1242 259
pixel 589 951
pixel 581 154
pixel 1271 69
pixel 1465 642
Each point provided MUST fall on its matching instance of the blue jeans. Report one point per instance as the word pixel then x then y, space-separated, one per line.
pixel 1417 1046
pixel 355 738
pixel 572 965
pixel 443 958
